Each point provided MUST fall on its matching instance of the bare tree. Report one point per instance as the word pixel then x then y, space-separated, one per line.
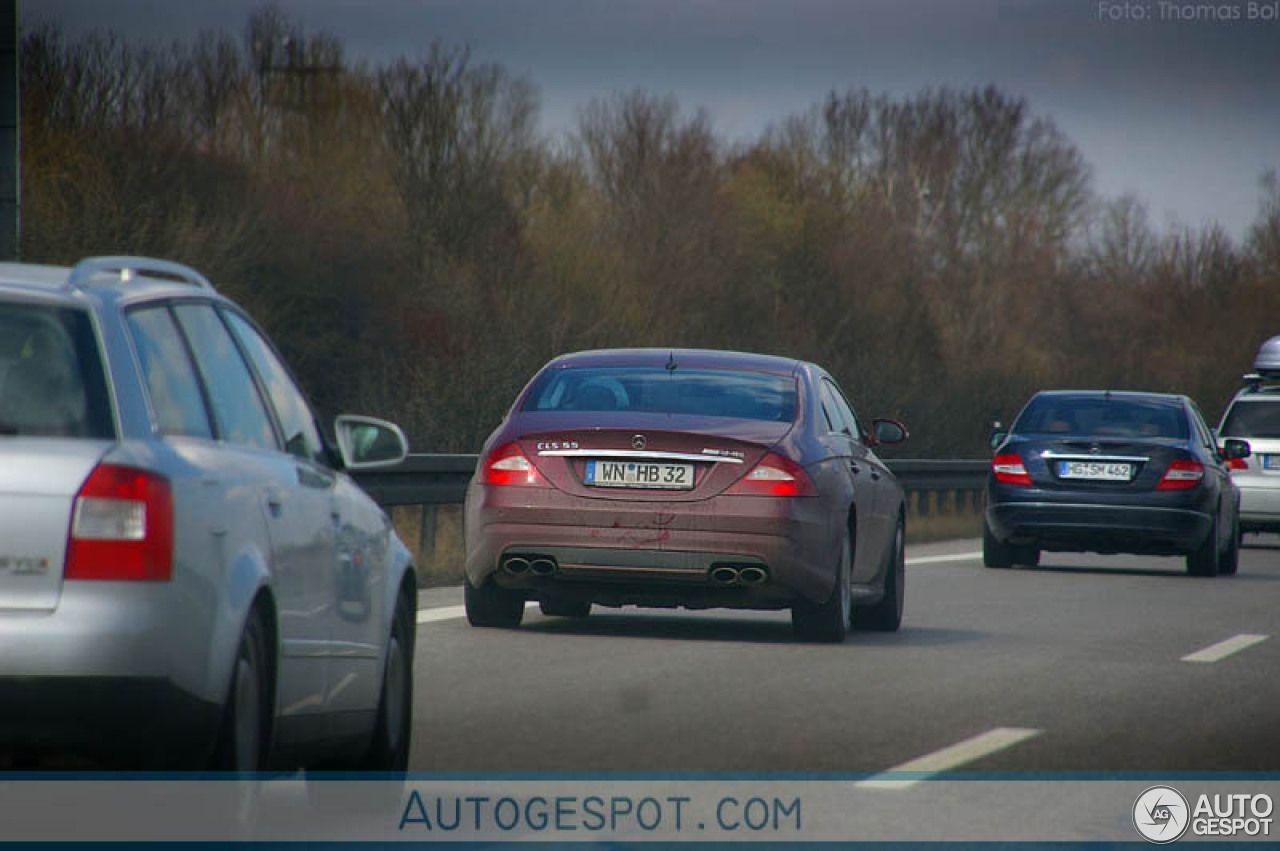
pixel 1264 235
pixel 1121 245
pixel 451 129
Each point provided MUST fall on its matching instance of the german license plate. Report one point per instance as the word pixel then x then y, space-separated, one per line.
pixel 1100 471
pixel 1271 462
pixel 639 474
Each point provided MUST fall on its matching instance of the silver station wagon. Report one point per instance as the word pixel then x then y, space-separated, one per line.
pixel 188 577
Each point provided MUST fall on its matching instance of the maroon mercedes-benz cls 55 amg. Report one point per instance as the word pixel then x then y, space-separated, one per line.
pixel 656 477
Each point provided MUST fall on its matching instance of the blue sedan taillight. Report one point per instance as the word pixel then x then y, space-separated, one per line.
pixel 1009 469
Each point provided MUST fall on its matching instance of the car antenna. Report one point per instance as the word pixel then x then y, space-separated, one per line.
pixel 671 362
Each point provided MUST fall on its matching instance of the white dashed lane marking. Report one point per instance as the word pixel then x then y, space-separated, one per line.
pixel 954 756
pixel 939 559
pixel 440 613
pixel 1223 649
pixel 447 613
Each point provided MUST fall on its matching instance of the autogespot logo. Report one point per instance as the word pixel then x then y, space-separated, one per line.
pixel 1161 815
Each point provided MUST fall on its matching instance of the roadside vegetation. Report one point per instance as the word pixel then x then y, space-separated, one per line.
pixel 418 246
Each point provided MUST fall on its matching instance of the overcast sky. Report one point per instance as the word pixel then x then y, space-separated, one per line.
pixel 1176 102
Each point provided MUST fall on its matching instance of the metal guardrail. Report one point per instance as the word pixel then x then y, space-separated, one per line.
pixel 442 479
pixel 919 474
pixel 421 480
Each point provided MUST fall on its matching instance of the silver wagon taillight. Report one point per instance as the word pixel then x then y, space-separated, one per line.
pixel 121 527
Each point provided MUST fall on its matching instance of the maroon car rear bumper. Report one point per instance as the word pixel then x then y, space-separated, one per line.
pixel 619 552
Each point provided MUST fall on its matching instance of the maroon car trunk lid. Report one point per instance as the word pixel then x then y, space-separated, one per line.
pixel 659 465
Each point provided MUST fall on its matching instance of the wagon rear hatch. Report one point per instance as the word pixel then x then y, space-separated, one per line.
pixel 39 480
pixel 55 425
pixel 1257 420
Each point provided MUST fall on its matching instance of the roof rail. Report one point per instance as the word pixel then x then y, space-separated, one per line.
pixel 127 267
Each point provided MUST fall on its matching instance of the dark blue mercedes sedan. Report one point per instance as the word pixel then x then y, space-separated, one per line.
pixel 1112 472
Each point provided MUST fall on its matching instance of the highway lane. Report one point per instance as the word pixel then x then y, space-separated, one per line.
pixel 1086 663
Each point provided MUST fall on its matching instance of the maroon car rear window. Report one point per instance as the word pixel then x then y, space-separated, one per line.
pixel 51 380
pixel 695 392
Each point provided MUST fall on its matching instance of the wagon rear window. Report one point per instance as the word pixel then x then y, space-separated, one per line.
pixel 1253 419
pixel 51 379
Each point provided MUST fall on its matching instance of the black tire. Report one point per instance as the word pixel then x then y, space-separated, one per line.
pixel 243 738
pixel 565 608
pixel 389 749
pixel 828 621
pixel 1026 556
pixel 1230 561
pixel 886 615
pixel 994 553
pixel 491 606
pixel 1204 559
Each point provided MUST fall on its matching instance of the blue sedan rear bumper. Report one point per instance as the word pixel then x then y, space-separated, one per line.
pixel 1094 527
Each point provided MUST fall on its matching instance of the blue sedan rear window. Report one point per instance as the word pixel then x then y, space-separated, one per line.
pixel 1097 416
pixel 696 392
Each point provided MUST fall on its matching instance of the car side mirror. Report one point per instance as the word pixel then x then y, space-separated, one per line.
pixel 997 438
pixel 369 444
pixel 1234 448
pixel 886 431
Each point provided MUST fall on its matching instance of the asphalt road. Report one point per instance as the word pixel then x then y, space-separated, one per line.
pixel 1086 663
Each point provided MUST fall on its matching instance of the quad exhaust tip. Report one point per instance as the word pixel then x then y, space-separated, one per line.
pixel 731 574
pixel 724 574
pixel 532 564
pixel 515 565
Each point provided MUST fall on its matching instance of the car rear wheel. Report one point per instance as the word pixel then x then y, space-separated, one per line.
pixel 1230 562
pixel 1204 559
pixel 828 621
pixel 565 608
pixel 242 740
pixel 994 553
pixel 886 616
pixel 389 747
pixel 492 606
pixel 389 750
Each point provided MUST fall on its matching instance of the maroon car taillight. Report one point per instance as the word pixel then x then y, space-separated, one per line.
pixel 775 475
pixel 1009 469
pixel 121 527
pixel 1237 464
pixel 1181 475
pixel 508 465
